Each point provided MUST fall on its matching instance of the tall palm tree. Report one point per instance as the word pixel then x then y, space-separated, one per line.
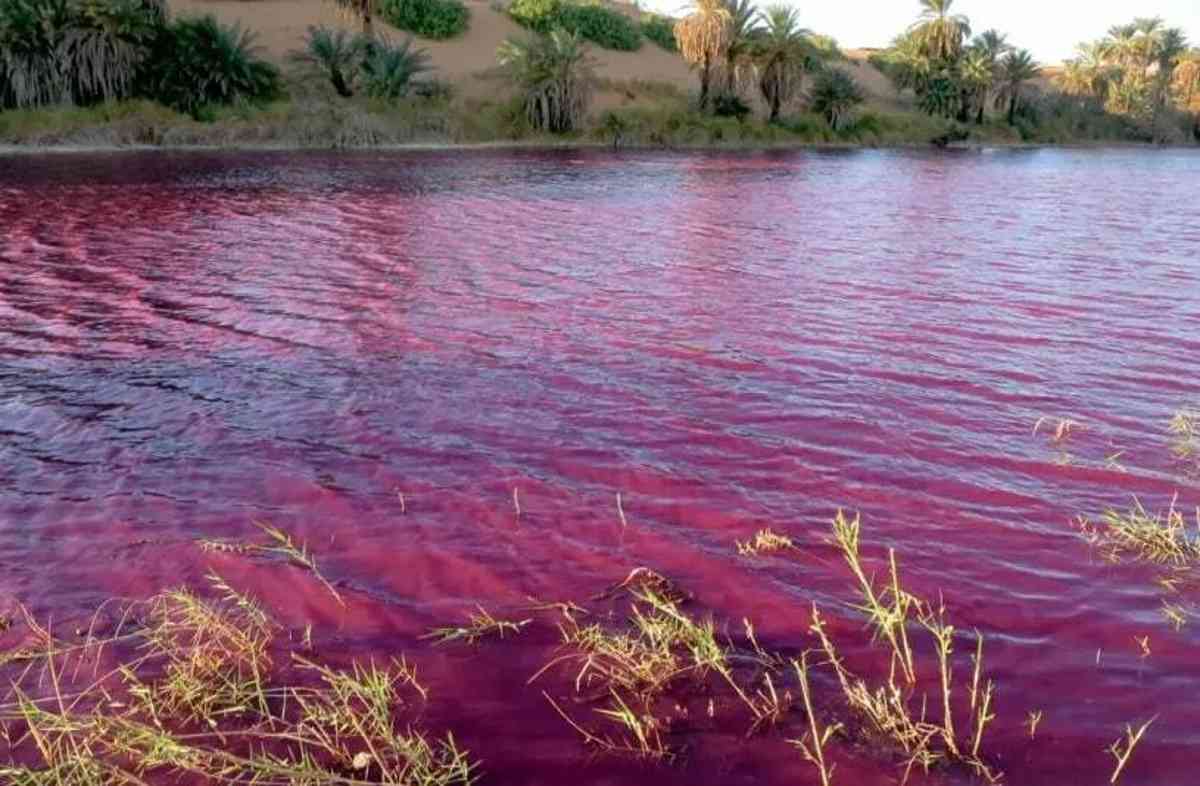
pixel 743 19
pixel 992 43
pixel 556 75
pixel 978 73
pixel 784 54
pixel 703 38
pixel 1016 69
pixel 1187 81
pixel 940 32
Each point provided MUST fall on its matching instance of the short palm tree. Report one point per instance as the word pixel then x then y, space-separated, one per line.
pixel 337 53
pixel 836 96
pixel 940 32
pixel 703 38
pixel 784 55
pixel 389 68
pixel 1016 69
pixel 556 75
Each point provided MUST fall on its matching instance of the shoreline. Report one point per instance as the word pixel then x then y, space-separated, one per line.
pixel 545 146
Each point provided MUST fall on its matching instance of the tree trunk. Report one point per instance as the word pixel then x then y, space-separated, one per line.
pixel 339 83
pixel 705 78
pixel 1012 109
pixel 368 24
pixel 775 106
pixel 979 116
pixel 730 77
pixel 964 106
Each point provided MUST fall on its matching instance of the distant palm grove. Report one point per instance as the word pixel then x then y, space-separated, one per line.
pixel 761 76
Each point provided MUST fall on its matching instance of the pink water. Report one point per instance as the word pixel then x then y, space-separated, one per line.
pixel 192 342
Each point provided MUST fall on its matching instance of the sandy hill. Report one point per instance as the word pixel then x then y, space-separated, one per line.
pixel 465 61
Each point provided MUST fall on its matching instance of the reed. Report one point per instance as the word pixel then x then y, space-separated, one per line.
pixel 1185 431
pixel 889 619
pixel 812 744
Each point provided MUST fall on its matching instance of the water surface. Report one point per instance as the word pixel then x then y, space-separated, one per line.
pixel 192 342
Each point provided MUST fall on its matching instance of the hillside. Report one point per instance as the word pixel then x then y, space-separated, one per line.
pixel 466 61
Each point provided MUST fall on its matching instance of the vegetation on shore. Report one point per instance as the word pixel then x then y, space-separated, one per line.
pixel 120 72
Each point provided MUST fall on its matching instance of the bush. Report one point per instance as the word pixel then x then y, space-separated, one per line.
pixel 436 19
pixel 602 26
pixel 200 62
pixel 537 15
pixel 729 105
pixel 661 30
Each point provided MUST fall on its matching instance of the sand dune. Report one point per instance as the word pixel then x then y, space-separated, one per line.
pixel 466 61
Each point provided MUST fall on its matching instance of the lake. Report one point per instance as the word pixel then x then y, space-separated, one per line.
pixel 439 369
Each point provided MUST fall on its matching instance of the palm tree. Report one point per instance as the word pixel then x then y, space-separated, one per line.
pixel 1016 69
pixel 978 73
pixel 390 69
pixel 835 96
pixel 336 52
pixel 1187 80
pixel 783 53
pixel 555 72
pixel 743 19
pixel 992 43
pixel 703 38
pixel 941 33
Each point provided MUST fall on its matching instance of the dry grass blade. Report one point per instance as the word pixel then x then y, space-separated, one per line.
pixel 765 541
pixel 1032 721
pixel 812 745
pixel 481 624
pixel 281 544
pixel 1122 754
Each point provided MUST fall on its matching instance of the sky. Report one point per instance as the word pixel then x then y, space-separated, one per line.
pixel 1048 28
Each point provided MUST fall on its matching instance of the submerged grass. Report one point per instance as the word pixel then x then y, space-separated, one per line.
pixel 1163 538
pixel 481 624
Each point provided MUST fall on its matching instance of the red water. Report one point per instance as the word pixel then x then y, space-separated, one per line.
pixel 192 342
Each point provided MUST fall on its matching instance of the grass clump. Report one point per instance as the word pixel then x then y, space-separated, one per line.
pixel 1185 433
pixel 1122 749
pixel 1162 538
pixel 481 625
pixel 765 541
pixel 194 694
pixel 436 19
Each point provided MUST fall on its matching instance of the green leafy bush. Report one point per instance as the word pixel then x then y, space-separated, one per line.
pixel 436 19
pixel 836 97
pixel 200 62
pixel 602 26
pixel 537 15
pixel 661 30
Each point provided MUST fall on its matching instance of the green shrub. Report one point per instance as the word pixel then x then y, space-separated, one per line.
pixel 436 19
pixel 200 62
pixel 537 15
pixel 602 26
pixel 661 30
